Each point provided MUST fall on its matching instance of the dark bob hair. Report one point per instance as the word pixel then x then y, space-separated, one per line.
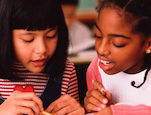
pixel 137 14
pixel 31 15
pixel 69 2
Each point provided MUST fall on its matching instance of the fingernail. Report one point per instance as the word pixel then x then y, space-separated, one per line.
pixel 103 106
pixel 42 109
pixel 99 109
pixel 105 101
pixel 103 90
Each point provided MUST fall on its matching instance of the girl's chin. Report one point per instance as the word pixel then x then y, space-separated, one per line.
pixel 36 70
pixel 110 72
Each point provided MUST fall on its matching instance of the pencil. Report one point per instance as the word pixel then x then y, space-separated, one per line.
pixel 103 93
pixel 46 113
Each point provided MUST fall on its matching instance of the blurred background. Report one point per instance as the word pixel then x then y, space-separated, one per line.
pixel 80 17
pixel 86 11
pixel 87 5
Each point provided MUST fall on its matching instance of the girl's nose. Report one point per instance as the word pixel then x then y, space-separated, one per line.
pixel 40 47
pixel 103 48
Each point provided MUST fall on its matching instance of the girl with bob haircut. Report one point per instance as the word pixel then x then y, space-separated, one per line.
pixel 35 74
pixel 122 67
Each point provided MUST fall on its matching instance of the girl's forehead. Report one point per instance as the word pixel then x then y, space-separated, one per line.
pixel 120 13
pixel 109 23
pixel 110 15
pixel 117 15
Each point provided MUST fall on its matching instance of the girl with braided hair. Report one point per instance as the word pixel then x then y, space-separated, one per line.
pixel 122 67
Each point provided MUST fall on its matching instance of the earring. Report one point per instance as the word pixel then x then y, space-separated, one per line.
pixel 148 51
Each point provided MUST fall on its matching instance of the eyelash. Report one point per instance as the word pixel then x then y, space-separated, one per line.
pixel 97 36
pixel 118 46
pixel 28 41
pixel 52 36
pixel 46 37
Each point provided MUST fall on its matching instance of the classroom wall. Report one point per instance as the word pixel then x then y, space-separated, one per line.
pixel 87 4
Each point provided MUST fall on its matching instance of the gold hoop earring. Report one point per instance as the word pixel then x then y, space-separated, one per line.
pixel 148 51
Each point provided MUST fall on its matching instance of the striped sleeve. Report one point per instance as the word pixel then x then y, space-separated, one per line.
pixel 69 81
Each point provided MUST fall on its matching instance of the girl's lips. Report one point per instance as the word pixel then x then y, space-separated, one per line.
pixel 105 65
pixel 105 62
pixel 39 62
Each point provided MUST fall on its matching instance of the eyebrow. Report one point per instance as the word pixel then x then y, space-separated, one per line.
pixel 97 27
pixel 118 35
pixel 112 35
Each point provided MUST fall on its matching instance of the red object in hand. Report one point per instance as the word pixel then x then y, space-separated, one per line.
pixel 28 88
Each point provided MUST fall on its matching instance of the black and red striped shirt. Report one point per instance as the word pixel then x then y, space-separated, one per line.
pixel 39 80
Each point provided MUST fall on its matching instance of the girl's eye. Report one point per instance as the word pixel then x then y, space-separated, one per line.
pixel 29 40
pixel 119 46
pixel 50 37
pixel 97 36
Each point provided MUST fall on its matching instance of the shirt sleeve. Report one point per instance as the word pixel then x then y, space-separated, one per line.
pixel 93 74
pixel 70 82
pixel 131 110
pixel 89 78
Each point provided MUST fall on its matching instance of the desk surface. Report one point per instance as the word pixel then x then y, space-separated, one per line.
pixel 83 57
pixel 79 60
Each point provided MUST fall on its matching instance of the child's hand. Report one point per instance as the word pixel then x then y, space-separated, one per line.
pixel 105 111
pixel 65 105
pixel 95 99
pixel 20 103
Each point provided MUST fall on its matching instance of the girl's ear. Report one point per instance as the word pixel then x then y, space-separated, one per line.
pixel 148 48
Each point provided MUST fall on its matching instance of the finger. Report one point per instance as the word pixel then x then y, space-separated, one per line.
pixel 109 96
pixel 69 108
pixel 106 111
pixel 97 95
pixel 66 103
pixel 23 110
pixel 95 102
pixel 91 107
pixel 99 86
pixel 52 106
pixel 31 96
pixel 77 112
pixel 29 104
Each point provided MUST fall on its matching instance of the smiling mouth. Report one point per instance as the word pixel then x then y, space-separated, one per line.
pixel 106 62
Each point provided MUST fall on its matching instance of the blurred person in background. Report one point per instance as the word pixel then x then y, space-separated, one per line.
pixel 78 31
